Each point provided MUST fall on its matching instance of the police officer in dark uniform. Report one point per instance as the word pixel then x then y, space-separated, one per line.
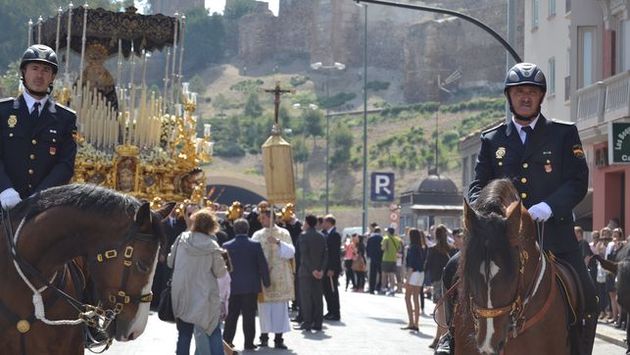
pixel 545 161
pixel 37 150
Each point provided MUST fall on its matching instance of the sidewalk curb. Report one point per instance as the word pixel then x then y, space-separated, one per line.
pixel 610 339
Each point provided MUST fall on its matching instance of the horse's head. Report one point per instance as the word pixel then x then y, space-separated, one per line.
pixel 122 271
pixel 493 263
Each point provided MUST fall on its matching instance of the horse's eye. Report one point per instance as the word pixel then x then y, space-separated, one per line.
pixel 142 267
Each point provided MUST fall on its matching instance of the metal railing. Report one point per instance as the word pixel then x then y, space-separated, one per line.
pixel 590 102
pixel 617 96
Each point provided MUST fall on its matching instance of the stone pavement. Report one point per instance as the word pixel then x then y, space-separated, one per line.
pixel 369 324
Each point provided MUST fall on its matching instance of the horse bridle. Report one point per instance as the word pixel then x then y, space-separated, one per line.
pixel 92 316
pixel 516 309
pixel 120 298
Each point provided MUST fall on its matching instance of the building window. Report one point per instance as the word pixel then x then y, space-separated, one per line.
pixel 535 7
pixel 567 6
pixel 551 8
pixel 586 44
pixel 623 46
pixel 551 76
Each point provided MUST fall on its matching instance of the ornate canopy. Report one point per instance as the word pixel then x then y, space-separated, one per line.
pixel 148 32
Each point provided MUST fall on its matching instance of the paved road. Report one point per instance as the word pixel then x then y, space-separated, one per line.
pixel 369 325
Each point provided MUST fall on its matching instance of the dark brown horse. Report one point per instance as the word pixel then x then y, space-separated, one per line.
pixel 42 307
pixel 509 299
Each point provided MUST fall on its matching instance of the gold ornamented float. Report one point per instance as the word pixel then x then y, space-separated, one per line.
pixel 130 139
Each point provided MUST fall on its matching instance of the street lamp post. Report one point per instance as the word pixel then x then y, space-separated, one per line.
pixel 328 68
pixel 364 214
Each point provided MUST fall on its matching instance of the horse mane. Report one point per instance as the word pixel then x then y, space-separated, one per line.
pixel 486 234
pixel 86 197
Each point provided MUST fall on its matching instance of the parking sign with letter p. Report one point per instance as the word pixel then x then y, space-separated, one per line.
pixel 382 187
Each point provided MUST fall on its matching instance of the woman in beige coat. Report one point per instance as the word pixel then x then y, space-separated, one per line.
pixel 197 264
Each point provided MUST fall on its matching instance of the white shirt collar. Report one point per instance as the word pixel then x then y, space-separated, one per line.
pixel 30 101
pixel 519 127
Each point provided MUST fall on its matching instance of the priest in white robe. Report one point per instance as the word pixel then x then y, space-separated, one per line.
pixel 273 305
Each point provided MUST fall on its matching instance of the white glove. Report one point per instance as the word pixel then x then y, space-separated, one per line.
pixel 540 212
pixel 9 198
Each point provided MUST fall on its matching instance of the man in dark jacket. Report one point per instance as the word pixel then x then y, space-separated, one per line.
pixel 375 254
pixel 249 268
pixel 311 271
pixel 37 150
pixel 333 268
pixel 545 161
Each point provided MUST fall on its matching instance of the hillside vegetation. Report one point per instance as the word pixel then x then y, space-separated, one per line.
pixel 401 138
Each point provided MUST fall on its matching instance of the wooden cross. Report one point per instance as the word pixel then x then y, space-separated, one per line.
pixel 277 91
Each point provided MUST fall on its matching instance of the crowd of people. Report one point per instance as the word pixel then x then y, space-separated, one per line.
pixel 606 243
pixel 222 266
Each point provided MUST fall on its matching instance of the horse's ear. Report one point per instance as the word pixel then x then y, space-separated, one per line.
pixel 166 209
pixel 143 214
pixel 513 214
pixel 470 216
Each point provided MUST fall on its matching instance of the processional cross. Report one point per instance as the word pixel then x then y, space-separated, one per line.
pixel 277 91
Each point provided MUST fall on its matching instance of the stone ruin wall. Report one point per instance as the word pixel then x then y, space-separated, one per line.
pixel 420 44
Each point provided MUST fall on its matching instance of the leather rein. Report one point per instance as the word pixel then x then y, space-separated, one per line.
pixel 524 294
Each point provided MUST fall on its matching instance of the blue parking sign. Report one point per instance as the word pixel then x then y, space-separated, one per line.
pixel 382 187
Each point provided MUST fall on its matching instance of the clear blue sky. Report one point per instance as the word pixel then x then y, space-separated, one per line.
pixel 218 5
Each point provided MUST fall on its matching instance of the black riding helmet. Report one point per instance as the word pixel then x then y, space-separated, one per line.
pixel 43 54
pixel 524 74
pixel 40 53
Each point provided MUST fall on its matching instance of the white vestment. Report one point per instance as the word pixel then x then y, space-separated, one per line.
pixel 274 316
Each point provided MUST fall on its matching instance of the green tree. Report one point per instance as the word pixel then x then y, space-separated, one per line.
pixel 342 141
pixel 221 103
pixel 252 106
pixel 300 151
pixel 284 117
pixel 312 123
pixel 204 39
pixel 10 80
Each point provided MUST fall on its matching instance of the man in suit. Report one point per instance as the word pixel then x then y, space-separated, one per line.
pixel 249 268
pixel 38 148
pixel 172 225
pixel 545 161
pixel 314 255
pixel 333 268
pixel 375 254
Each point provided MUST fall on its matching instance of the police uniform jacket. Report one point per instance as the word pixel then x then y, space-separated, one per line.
pixel 549 168
pixel 35 153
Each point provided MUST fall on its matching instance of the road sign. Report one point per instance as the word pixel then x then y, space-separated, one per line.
pixel 393 217
pixel 382 187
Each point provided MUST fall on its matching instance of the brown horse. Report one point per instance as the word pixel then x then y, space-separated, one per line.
pixel 509 300
pixel 41 305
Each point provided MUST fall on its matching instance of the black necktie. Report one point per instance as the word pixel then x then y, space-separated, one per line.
pixel 528 133
pixel 35 112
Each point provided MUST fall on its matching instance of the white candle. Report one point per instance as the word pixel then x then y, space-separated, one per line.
pixel 59 11
pixel 68 39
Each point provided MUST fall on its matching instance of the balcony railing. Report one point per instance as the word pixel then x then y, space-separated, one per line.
pixel 603 101
pixel 617 96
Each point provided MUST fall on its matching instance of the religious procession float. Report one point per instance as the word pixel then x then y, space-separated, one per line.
pixel 130 138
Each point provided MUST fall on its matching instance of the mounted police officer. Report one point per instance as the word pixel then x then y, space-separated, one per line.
pixel 545 161
pixel 38 148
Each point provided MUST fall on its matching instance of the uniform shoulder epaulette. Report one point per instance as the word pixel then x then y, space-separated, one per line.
pixel 492 128
pixel 66 108
pixel 7 99
pixel 562 122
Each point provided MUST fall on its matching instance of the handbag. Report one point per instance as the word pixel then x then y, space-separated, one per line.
pixel 358 264
pixel 165 307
